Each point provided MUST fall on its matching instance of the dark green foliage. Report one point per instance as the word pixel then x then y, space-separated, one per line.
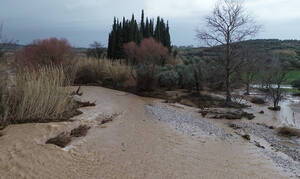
pixel 287 50
pixel 168 77
pixel 189 76
pixel 145 78
pixel 1 52
pixel 296 84
pixel 130 31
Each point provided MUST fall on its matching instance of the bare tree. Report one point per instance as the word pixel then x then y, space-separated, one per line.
pixel 96 50
pixel 275 74
pixel 228 24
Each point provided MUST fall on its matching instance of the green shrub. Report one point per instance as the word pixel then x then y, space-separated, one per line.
pixel 146 80
pixel 296 84
pixel 168 79
pixel 189 76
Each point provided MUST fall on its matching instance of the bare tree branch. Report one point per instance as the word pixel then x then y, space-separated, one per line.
pixel 227 25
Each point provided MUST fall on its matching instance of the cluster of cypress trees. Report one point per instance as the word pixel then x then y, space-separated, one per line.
pixel 130 31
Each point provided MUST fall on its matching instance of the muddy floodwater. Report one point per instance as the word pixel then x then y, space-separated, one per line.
pixel 289 114
pixel 134 144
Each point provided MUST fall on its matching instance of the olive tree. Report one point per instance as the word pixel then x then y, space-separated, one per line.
pixel 225 26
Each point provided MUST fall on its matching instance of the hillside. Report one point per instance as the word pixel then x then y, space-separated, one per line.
pixel 15 47
pixel 288 50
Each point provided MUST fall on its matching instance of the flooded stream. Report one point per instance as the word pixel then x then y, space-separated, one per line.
pixel 289 114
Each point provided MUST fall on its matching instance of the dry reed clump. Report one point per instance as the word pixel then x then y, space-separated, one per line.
pixel 39 96
pixel 2 86
pixel 102 71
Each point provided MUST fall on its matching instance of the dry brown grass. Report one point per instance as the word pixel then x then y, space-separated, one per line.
pixel 38 96
pixel 2 86
pixel 91 70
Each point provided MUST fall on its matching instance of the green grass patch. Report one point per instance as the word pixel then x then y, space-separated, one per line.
pixel 293 75
pixel 293 90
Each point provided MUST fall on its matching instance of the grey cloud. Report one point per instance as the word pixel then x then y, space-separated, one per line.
pixel 83 21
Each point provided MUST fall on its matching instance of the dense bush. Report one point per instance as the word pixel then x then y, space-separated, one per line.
pixel 296 84
pixel 147 57
pixel 189 76
pixel 168 79
pixel 148 52
pixel 45 52
pixel 1 53
pixel 146 79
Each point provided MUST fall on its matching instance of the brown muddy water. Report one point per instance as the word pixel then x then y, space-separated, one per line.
pixel 132 145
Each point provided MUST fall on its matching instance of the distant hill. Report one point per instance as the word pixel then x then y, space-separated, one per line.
pixel 15 47
pixel 287 49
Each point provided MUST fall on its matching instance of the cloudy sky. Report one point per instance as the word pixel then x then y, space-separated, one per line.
pixel 84 21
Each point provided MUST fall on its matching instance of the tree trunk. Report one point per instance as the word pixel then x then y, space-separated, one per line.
pixel 228 90
pixel 227 68
pixel 248 89
pixel 275 104
pixel 248 85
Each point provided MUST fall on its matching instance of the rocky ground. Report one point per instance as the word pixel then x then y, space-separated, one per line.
pixel 262 136
pixel 186 122
pixel 285 152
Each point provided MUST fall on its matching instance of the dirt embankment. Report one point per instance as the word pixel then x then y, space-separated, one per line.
pixel 133 145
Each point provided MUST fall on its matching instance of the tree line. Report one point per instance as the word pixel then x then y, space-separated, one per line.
pixel 131 31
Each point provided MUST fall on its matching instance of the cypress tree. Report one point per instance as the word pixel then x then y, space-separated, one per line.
pixel 142 30
pixel 157 33
pixel 147 29
pixel 168 38
pixel 152 28
pixel 129 30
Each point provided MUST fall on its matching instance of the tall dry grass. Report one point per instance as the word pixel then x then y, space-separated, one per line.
pixel 99 71
pixel 3 80
pixel 38 96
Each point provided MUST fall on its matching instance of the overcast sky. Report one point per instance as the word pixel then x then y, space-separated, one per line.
pixel 84 21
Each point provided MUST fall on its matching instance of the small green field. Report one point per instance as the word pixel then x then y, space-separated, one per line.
pixel 293 75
